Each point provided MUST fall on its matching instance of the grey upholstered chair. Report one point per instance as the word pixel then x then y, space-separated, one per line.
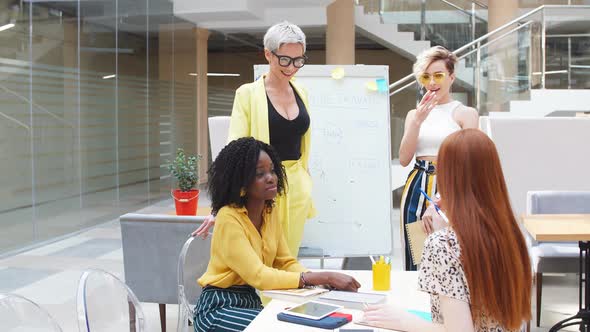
pixel 554 257
pixel 192 263
pixel 105 303
pixel 18 313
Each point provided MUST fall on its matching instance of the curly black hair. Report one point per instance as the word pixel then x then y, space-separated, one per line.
pixel 235 168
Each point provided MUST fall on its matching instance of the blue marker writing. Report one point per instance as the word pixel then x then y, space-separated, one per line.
pixel 440 213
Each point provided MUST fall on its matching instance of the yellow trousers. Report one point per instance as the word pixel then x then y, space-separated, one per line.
pixel 295 206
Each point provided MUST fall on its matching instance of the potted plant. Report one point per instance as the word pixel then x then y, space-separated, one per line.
pixel 186 171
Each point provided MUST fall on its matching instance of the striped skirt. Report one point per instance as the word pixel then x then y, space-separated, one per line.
pixel 413 204
pixel 226 309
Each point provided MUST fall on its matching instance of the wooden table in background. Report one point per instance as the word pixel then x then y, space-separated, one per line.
pixel 567 228
pixel 558 227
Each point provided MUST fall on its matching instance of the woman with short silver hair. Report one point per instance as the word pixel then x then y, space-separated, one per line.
pixel 275 110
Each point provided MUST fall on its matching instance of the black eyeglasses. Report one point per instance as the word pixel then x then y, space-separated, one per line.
pixel 285 61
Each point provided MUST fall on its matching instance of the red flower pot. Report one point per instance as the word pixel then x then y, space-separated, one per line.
pixel 186 202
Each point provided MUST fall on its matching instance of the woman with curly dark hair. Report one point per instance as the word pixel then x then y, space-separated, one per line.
pixel 248 249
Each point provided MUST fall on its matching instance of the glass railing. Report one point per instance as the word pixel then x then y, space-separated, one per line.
pixel 545 48
pixel 548 46
pixel 502 68
pixel 450 23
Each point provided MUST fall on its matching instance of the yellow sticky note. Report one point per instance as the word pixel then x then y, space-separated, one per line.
pixel 338 73
pixel 371 86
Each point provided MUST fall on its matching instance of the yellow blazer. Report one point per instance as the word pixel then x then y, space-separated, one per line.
pixel 249 116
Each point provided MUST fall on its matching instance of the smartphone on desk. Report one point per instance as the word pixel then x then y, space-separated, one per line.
pixel 312 310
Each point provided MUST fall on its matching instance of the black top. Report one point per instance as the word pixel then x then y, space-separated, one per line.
pixel 285 135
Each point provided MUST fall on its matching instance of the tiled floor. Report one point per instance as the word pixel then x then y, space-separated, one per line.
pixel 49 276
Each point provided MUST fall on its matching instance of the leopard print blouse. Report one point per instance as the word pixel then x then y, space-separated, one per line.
pixel 441 273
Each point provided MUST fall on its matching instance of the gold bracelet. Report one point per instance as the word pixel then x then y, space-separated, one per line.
pixel 303 282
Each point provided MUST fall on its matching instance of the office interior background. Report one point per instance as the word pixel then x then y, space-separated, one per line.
pixel 97 95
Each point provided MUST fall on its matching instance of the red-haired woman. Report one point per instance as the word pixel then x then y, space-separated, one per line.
pixel 477 270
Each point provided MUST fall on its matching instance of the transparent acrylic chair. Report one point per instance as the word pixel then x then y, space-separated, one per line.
pixel 19 314
pixel 105 303
pixel 192 263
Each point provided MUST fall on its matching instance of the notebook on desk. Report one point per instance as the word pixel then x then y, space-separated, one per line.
pixel 353 300
pixel 295 294
pixel 416 238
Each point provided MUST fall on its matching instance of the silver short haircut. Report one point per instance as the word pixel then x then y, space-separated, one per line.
pixel 428 56
pixel 283 33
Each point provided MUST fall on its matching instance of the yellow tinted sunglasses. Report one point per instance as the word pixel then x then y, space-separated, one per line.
pixel 438 78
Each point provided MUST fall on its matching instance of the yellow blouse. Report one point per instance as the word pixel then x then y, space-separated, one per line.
pixel 240 255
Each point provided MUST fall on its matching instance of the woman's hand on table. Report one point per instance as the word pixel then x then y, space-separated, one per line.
pixel 343 282
pixel 335 280
pixel 203 230
pixel 389 316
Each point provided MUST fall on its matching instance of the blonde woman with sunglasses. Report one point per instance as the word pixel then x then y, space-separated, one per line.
pixel 274 109
pixel 436 116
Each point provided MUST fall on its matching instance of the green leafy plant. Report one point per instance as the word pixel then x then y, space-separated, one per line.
pixel 185 169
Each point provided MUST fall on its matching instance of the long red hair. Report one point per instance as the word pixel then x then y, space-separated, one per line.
pixel 493 251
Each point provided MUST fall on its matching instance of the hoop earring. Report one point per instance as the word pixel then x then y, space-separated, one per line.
pixel 242 193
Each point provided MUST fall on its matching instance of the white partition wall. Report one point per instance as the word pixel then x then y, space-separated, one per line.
pixel 541 154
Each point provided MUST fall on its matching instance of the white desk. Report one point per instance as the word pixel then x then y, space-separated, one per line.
pixel 404 292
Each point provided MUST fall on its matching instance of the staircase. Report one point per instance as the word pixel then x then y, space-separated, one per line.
pixel 388 35
pixel 515 71
pixel 376 27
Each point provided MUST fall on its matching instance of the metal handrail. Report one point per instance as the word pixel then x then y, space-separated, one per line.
pixel 471 13
pixel 509 32
pixel 464 11
pixel 478 42
pixel 474 42
pixel 482 5
pixel 477 3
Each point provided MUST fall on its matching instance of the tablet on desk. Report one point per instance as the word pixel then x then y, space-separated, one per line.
pixel 312 310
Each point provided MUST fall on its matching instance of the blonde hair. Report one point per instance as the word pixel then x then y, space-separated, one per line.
pixel 428 56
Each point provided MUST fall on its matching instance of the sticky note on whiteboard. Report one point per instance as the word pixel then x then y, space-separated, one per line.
pixel 371 85
pixel 338 73
pixel 382 85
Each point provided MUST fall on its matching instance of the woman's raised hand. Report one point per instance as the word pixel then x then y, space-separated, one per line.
pixel 428 102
